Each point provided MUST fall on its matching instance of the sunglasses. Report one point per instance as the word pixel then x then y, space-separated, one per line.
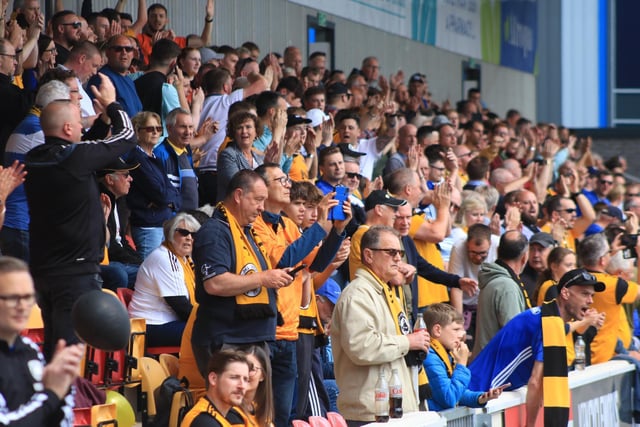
pixel 184 232
pixel 603 182
pixel 75 24
pixel 569 211
pixel 353 175
pixel 121 49
pixel 391 252
pixel 151 129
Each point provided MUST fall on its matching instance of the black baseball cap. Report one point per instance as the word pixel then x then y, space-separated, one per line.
pixel 117 165
pixel 382 197
pixel 294 119
pixel 580 277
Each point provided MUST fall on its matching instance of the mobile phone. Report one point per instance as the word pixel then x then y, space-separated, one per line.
pixel 336 212
pixel 293 272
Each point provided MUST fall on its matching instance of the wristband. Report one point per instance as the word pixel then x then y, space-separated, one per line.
pixel 208 20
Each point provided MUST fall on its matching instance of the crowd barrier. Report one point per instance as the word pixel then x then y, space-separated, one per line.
pixel 596 397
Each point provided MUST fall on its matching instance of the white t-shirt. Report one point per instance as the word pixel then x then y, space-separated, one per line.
pixel 368 146
pixel 216 107
pixel 159 276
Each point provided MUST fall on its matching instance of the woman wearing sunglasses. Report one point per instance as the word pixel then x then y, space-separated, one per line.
pixel 164 291
pixel 152 199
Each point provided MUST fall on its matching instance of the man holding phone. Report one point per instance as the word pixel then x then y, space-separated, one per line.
pixel 287 247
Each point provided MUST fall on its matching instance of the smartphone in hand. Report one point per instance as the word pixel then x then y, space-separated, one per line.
pixel 336 212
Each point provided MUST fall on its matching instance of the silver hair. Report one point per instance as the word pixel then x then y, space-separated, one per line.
pixel 170 225
pixel 52 91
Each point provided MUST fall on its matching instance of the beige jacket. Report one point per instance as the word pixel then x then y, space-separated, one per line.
pixel 364 339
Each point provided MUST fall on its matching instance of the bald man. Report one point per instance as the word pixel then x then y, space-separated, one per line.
pixel 67 228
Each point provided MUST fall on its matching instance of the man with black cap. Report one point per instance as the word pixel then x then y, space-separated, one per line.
pixel 337 98
pixel 292 161
pixel 540 244
pixel 530 350
pixel 381 208
pixel 122 269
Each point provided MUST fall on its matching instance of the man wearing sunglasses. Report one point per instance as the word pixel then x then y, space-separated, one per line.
pixel 564 224
pixel 370 330
pixel 604 185
pixel 66 33
pixel 120 50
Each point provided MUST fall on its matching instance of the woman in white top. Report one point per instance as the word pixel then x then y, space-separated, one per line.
pixel 164 291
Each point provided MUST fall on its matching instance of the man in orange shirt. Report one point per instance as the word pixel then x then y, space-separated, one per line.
pixel 156 29
pixel 286 247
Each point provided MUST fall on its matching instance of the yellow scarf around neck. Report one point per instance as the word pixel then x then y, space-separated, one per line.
pixel 188 269
pixel 254 303
pixel 443 354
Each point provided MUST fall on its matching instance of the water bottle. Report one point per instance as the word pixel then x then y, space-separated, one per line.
pixel 382 398
pixel 420 326
pixel 579 360
pixel 395 395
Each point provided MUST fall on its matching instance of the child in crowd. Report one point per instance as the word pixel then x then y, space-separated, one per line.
pixel 446 364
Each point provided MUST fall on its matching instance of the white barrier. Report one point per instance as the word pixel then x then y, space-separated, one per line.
pixel 595 401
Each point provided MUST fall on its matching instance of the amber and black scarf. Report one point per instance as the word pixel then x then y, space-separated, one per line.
pixel 555 383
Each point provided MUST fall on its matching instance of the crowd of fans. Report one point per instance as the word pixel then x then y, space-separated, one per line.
pixel 223 218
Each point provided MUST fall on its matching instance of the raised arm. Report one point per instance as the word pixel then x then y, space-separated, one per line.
pixel 208 23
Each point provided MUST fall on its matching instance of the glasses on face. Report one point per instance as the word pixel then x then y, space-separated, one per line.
pixel 632 194
pixel 122 174
pixel 13 56
pixel 151 129
pixel 75 24
pixel 353 175
pixel 52 51
pixel 603 182
pixel 480 254
pixel 253 370
pixel 569 210
pixel 391 252
pixel 283 180
pixel 437 168
pixel 12 301
pixel 120 49
pixel 184 232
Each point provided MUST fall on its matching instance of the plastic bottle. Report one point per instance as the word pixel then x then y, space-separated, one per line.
pixel 579 361
pixel 382 398
pixel 420 326
pixel 395 395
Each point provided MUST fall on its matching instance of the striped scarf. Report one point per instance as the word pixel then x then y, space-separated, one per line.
pixel 555 384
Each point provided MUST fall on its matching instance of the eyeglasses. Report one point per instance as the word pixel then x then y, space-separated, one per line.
pixel 437 168
pixel 353 175
pixel 151 129
pixel 120 49
pixel 391 252
pixel 584 276
pixel 284 180
pixel 481 254
pixel 253 370
pixel 14 56
pixel 603 182
pixel 53 50
pixel 569 210
pixel 12 301
pixel 75 25
pixel 632 194
pixel 184 232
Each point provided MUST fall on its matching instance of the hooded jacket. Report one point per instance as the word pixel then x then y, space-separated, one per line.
pixel 499 301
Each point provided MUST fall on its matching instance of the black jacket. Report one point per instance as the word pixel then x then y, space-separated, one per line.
pixel 23 399
pixel 67 229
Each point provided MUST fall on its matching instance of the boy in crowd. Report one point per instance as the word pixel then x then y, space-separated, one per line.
pixel 446 364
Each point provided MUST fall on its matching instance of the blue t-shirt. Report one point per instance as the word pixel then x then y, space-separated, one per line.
pixel 509 356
